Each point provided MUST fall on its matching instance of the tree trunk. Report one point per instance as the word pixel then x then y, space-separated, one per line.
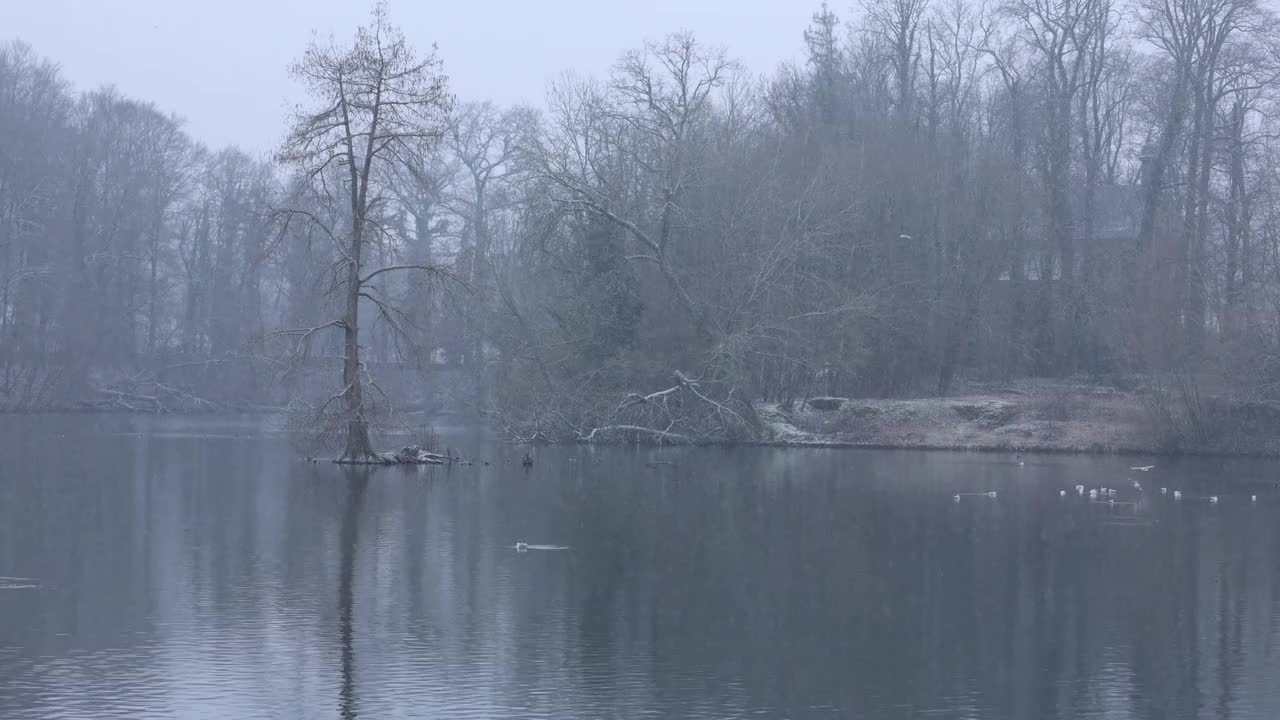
pixel 358 446
pixel 1235 227
pixel 1064 235
pixel 480 264
pixel 1197 302
pixel 1184 273
pixel 153 287
pixel 1153 186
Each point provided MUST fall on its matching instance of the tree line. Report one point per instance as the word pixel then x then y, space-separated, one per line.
pixel 943 191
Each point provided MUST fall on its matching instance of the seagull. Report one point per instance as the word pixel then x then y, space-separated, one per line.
pixel 1253 498
pixel 904 237
pixel 1111 491
pixel 991 494
pixel 1093 494
pixel 1144 468
pixel 1079 489
pixel 1213 498
pixel 1137 486
pixel 957 498
pixel 1177 494
pixel 522 547
pixel 1062 493
pixel 1164 491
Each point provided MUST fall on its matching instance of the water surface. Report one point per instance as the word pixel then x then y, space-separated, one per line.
pixel 194 568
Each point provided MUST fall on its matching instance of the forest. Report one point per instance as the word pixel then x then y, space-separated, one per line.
pixel 945 192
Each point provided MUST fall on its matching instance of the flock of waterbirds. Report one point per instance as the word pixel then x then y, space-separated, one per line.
pixel 1107 495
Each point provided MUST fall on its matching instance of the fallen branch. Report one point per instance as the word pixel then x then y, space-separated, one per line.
pixel 162 399
pixel 693 388
pixel 660 436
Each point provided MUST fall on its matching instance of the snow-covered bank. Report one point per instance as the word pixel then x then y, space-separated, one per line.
pixel 1025 417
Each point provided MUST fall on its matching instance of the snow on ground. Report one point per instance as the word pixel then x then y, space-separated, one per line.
pixel 1053 418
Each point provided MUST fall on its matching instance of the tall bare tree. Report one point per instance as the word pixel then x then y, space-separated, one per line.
pixel 372 98
pixel 648 125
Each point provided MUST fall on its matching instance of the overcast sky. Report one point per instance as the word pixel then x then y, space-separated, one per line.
pixel 222 64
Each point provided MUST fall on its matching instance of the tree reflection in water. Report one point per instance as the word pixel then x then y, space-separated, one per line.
pixel 359 481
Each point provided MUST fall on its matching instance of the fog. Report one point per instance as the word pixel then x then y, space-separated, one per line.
pixel 679 240
pixel 682 324
pixel 221 66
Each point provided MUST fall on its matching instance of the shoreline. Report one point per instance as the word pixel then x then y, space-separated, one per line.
pixel 994 450
pixel 1031 417
pixel 1035 417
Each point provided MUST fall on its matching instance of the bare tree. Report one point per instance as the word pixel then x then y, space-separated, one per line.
pixel 897 24
pixel 648 125
pixel 1059 33
pixel 483 141
pixel 1191 35
pixel 948 191
pixel 373 98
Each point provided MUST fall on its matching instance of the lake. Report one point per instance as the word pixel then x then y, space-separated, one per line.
pixel 196 568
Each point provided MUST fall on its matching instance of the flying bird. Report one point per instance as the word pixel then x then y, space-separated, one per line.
pixel 1144 468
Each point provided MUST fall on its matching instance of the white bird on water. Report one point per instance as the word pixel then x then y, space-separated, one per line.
pixel 1213 498
pixel 1093 494
pixel 1079 489
pixel 1164 491
pixel 1062 493
pixel 991 494
pixel 1177 494
pixel 1253 498
pixel 522 547
pixel 1144 468
pixel 1137 486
